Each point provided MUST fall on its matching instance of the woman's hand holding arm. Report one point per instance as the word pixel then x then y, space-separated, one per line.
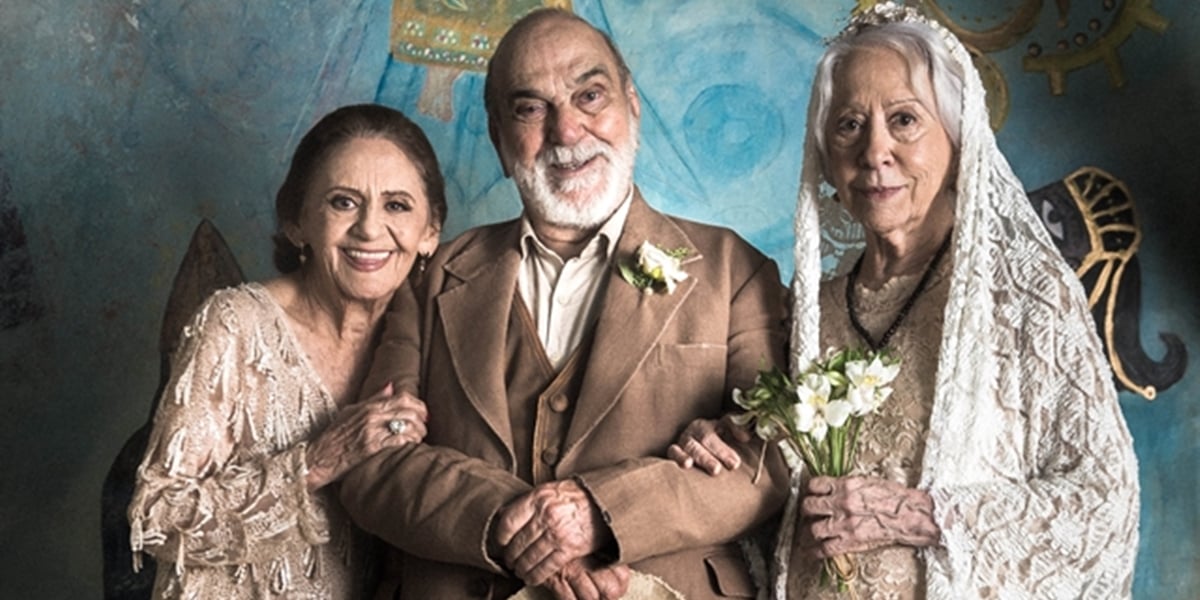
pixel 362 429
pixel 702 444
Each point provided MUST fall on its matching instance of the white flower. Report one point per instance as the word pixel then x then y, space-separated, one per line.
pixel 810 420
pixel 861 400
pixel 868 383
pixel 837 413
pixel 872 374
pixel 812 395
pixel 805 416
pixel 820 429
pixel 814 388
pixel 820 406
pixel 660 266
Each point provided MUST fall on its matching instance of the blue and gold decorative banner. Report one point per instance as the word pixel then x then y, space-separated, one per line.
pixel 457 33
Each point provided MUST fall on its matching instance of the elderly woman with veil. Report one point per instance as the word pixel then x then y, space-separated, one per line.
pixel 1001 466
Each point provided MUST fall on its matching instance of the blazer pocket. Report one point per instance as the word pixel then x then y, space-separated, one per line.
pixel 730 576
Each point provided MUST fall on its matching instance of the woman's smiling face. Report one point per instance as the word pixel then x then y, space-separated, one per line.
pixel 366 217
pixel 888 154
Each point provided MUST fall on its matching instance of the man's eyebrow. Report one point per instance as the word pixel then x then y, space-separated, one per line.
pixel 522 93
pixel 595 71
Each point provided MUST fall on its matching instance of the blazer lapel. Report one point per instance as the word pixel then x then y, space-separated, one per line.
pixel 474 314
pixel 630 321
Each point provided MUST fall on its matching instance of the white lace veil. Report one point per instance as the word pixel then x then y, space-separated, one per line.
pixel 1002 259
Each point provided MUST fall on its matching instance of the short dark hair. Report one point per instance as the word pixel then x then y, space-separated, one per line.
pixel 358 121
pixel 491 92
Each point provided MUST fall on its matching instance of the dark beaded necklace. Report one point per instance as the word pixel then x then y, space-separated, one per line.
pixel 908 304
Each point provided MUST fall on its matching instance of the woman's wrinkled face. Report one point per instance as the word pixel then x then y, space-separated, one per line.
pixel 366 217
pixel 887 153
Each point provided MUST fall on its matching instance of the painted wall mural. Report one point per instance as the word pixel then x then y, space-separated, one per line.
pixel 1091 218
pixel 450 36
pixel 126 123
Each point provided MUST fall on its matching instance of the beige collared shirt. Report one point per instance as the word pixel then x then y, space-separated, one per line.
pixel 564 296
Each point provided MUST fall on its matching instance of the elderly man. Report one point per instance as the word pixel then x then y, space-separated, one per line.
pixel 558 372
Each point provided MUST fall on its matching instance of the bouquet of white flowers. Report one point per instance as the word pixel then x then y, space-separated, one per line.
pixel 818 416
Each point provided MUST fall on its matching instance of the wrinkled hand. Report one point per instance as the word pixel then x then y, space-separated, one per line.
pixel 703 444
pixel 360 430
pixel 547 528
pixel 582 580
pixel 857 514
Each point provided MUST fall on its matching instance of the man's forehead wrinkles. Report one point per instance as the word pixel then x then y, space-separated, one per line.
pixel 540 85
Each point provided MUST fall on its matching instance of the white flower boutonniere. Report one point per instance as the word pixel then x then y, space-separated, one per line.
pixel 655 268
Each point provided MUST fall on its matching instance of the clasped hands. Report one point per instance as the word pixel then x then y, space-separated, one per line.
pixel 548 537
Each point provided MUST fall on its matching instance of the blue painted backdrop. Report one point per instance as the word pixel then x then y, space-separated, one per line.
pixel 124 122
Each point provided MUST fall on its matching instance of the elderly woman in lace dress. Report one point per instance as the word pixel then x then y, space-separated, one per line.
pixel 257 420
pixel 1001 466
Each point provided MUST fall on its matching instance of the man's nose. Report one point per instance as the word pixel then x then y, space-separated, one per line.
pixel 566 127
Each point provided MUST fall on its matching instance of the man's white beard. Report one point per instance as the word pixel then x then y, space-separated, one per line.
pixel 609 185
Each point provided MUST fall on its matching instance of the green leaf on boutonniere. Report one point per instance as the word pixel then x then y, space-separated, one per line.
pixel 655 268
pixel 636 278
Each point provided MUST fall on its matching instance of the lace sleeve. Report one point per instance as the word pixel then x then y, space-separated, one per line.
pixel 208 493
pixel 1069 527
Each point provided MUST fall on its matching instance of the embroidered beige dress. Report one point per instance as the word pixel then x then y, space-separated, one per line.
pixel 221 502
pixel 892 440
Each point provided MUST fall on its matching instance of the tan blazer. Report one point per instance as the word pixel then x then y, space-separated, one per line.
pixel 656 363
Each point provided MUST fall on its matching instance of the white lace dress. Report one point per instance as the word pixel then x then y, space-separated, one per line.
pixel 221 501
pixel 1070 448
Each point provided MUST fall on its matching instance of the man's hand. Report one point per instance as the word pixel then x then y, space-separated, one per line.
pixel 856 514
pixel 547 528
pixel 582 580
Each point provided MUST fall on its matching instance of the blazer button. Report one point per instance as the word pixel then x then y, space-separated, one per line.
pixel 559 403
pixel 479 587
pixel 550 456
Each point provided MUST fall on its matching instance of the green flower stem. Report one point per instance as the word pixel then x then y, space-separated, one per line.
pixel 837 441
pixel 801 444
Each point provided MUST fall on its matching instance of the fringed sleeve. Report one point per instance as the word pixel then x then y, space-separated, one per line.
pixel 204 495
